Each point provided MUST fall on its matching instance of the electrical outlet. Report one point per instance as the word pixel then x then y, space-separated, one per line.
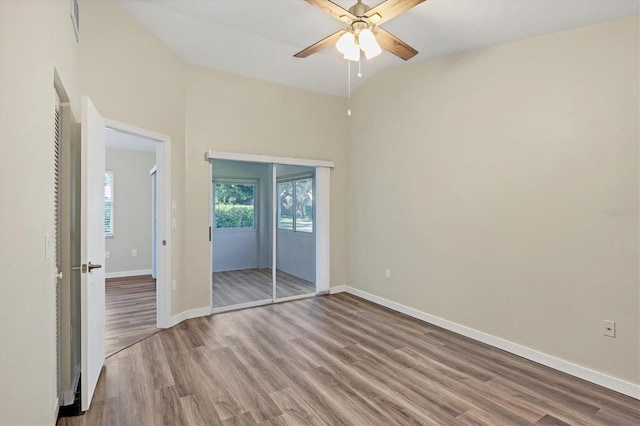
pixel 387 273
pixel 134 252
pixel 107 254
pixel 609 328
pixel 174 205
pixel 173 285
pixel 174 224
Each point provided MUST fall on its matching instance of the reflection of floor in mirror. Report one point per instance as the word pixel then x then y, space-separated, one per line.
pixel 130 309
pixel 249 285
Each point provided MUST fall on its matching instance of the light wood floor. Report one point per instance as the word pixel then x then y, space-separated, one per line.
pixel 336 360
pixel 130 311
pixel 250 285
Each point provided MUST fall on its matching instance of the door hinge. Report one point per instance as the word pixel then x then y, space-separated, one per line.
pixel 209 234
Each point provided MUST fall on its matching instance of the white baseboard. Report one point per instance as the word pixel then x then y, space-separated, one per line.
pixel 127 273
pixel 584 373
pixel 56 409
pixel 337 289
pixel 69 395
pixel 193 313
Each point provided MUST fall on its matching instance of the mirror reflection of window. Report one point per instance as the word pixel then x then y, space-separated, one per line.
pixel 108 204
pixel 295 205
pixel 234 205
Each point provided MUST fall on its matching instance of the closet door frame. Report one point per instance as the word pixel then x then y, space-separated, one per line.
pixel 322 220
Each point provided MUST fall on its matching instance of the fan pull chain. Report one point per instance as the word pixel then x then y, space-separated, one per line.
pixel 349 88
pixel 359 69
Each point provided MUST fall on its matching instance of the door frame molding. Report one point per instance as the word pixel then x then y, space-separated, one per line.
pixel 323 222
pixel 163 253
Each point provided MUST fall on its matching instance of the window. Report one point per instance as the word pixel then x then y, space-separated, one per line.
pixel 108 204
pixel 234 205
pixel 295 205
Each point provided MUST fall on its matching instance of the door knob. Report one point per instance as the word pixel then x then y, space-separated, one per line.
pixel 92 266
pixel 83 267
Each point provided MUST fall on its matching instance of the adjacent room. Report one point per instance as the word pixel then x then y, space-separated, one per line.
pixel 345 212
pixel 129 228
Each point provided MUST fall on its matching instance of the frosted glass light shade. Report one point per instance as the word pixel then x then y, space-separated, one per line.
pixel 369 44
pixel 373 51
pixel 352 53
pixel 345 42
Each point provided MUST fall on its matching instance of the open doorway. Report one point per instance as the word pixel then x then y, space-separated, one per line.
pixel 81 305
pixel 130 285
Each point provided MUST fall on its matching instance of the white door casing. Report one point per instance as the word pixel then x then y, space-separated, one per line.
pixel 92 250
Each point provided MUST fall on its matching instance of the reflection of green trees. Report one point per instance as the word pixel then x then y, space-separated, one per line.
pixel 231 193
pixel 234 205
pixel 234 216
pixel 296 200
pixel 304 198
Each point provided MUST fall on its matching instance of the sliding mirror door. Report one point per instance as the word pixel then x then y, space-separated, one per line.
pixel 241 234
pixel 295 231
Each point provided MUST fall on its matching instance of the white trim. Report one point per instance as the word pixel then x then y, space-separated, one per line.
pixel 222 309
pixel 69 396
pixel 259 158
pixel 296 297
pixel 136 131
pixel 274 229
pixel 338 289
pixel 163 253
pixel 192 313
pixel 127 273
pixel 322 229
pixel 584 373
pixel 56 408
pixel 211 199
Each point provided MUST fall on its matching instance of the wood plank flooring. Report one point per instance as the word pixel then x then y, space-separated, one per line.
pixel 130 307
pixel 336 360
pixel 250 285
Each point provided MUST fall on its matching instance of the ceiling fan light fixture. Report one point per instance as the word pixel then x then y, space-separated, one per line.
pixel 369 44
pixel 352 53
pixel 373 51
pixel 345 43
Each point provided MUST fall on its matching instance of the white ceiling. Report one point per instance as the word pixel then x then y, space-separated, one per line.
pixel 116 139
pixel 258 38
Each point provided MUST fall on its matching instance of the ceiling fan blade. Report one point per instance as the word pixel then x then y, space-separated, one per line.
pixel 322 44
pixel 390 9
pixel 393 44
pixel 332 9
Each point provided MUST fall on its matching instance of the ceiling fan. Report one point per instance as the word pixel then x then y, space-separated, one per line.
pixel 363 30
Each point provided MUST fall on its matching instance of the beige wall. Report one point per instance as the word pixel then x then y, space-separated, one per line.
pixel 131 77
pixel 131 210
pixel 157 92
pixel 226 112
pixel 483 181
pixel 504 162
pixel 27 309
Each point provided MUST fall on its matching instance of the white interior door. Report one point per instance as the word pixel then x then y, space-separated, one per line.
pixel 92 250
